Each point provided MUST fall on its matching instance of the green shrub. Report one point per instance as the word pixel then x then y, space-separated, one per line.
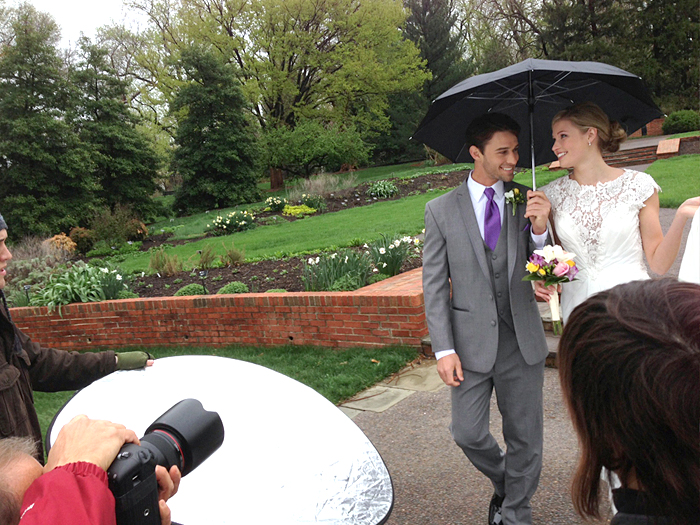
pixel 382 189
pixel 276 203
pixel 681 121
pixel 83 238
pixel 389 253
pixel 127 294
pixel 276 290
pixel 235 221
pixel 323 272
pixel 115 227
pixel 102 249
pixel 191 289
pixel 234 287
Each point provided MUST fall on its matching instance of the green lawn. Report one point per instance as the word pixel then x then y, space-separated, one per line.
pixel 679 178
pixel 312 234
pixel 335 374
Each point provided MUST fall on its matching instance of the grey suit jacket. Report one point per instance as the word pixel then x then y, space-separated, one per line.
pixel 454 254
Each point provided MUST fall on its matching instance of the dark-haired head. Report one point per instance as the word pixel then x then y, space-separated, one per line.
pixel 629 364
pixel 484 127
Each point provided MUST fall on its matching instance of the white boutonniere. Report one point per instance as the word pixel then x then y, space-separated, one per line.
pixel 514 197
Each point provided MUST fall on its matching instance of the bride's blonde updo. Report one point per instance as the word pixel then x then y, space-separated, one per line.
pixel 588 115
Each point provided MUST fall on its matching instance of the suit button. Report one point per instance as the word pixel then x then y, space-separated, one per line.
pixel 493 323
pixel 494 256
pixel 501 312
pixel 496 275
pixel 499 294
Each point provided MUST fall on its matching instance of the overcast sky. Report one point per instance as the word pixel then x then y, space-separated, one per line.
pixel 74 16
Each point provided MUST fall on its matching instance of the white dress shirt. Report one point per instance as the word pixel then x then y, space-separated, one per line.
pixel 479 200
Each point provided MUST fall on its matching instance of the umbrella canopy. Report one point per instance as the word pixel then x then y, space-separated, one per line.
pixel 532 92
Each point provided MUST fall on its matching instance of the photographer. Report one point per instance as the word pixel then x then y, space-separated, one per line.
pixel 25 365
pixel 72 487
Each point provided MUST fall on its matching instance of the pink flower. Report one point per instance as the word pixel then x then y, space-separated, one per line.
pixel 561 269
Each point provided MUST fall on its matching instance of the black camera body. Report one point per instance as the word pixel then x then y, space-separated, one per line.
pixel 183 436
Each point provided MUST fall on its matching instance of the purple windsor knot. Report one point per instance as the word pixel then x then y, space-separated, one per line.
pixel 492 220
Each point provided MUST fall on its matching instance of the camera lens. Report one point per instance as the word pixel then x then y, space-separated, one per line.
pixel 185 435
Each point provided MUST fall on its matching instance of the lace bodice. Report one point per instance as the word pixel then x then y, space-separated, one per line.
pixel 600 224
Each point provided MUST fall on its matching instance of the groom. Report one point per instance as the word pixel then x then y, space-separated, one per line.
pixel 487 333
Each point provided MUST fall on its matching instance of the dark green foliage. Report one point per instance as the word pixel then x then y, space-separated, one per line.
pixel 312 146
pixel 126 165
pixel 45 170
pixel 431 26
pixel 117 226
pixel 681 121
pixel 658 40
pixel 217 150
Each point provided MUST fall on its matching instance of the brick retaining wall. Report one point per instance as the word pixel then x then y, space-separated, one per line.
pixel 390 312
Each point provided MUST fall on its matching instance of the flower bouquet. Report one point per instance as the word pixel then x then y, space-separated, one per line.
pixel 552 265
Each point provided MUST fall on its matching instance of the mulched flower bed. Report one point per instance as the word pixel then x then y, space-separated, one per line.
pixel 282 274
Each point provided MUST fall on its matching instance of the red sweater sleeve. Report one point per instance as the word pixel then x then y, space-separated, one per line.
pixel 76 493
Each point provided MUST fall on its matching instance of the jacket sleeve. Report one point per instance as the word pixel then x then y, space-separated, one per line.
pixel 53 370
pixel 76 493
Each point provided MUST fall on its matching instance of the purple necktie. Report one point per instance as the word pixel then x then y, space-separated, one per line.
pixel 492 220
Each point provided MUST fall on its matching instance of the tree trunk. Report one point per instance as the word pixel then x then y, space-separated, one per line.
pixel 276 179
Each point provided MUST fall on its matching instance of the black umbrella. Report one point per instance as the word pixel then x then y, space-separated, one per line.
pixel 532 92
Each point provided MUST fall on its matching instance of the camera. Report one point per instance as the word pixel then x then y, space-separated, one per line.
pixel 184 436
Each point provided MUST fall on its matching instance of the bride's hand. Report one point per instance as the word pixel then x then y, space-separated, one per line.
pixel 689 207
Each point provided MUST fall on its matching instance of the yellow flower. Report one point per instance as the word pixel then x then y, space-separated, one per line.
pixel 531 267
pixel 570 262
pixel 516 191
pixel 541 272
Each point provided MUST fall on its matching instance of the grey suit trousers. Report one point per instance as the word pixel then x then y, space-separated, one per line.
pixel 518 386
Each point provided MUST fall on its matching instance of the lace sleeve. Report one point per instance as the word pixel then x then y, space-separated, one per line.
pixel 641 187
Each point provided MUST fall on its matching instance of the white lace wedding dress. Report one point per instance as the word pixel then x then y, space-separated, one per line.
pixel 600 224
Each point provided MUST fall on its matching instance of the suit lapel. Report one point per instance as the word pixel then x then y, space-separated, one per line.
pixel 466 210
pixel 511 225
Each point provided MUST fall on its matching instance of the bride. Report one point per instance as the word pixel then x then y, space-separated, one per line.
pixel 608 217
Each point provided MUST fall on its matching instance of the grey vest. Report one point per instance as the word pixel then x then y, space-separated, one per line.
pixel 498 265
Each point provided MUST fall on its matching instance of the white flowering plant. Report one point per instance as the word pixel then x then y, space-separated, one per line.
pixel 232 222
pixel 389 253
pixel 317 202
pixel 337 271
pixel 276 204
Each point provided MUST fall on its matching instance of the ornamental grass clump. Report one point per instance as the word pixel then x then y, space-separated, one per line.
pixel 344 270
pixel 235 221
pixel 389 253
pixel 163 264
pixel 276 204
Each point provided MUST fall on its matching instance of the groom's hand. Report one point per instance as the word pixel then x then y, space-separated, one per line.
pixel 450 370
pixel 537 210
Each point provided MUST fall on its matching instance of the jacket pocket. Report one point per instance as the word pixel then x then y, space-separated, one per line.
pixel 12 409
